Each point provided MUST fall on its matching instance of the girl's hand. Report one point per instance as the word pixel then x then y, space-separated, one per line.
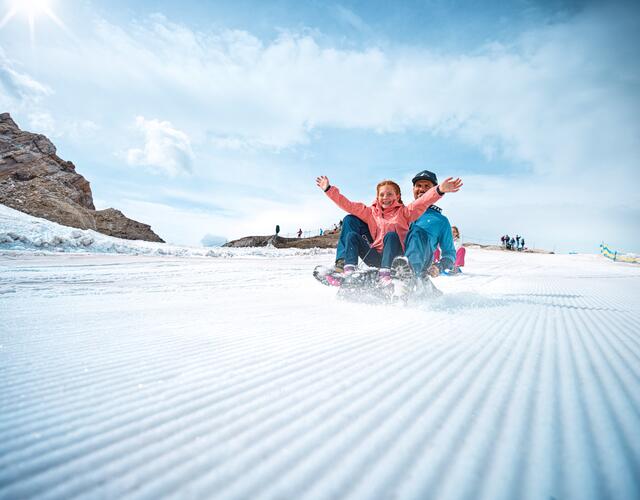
pixel 323 182
pixel 451 185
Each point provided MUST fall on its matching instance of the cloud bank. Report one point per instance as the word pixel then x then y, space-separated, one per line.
pixel 166 148
pixel 558 100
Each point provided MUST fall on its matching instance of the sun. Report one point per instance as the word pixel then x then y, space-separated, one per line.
pixel 32 9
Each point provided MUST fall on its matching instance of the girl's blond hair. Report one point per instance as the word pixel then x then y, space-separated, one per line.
pixel 394 185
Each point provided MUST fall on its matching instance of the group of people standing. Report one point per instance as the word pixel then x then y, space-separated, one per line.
pixel 391 235
pixel 511 243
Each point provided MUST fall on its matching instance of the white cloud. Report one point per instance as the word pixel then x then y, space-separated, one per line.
pixel 18 90
pixel 20 86
pixel 25 97
pixel 82 129
pixel 42 122
pixel 166 149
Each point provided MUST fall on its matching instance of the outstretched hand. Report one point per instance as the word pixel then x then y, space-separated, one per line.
pixel 323 182
pixel 450 185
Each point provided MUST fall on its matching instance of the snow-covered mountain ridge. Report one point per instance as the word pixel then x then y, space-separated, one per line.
pixel 23 232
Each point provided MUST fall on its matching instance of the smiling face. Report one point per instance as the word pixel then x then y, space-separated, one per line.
pixel 388 192
pixel 421 187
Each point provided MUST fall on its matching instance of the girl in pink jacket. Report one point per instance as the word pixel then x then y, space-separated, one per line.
pixel 388 219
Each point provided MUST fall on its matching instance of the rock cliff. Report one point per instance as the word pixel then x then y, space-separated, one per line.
pixel 35 180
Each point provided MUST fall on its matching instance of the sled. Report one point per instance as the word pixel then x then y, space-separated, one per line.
pixel 363 286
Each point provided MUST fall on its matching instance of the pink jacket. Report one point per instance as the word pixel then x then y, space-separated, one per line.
pixel 381 221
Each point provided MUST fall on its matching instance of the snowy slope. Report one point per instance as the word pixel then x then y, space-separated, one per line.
pixel 189 377
pixel 22 232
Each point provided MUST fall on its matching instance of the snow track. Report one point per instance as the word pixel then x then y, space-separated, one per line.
pixel 149 377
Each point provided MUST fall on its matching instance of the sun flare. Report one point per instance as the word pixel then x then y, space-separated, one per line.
pixel 32 9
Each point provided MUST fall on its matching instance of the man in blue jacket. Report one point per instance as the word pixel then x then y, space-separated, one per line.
pixel 425 234
pixel 429 231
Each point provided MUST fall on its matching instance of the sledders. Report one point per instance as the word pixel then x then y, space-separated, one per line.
pixel 364 285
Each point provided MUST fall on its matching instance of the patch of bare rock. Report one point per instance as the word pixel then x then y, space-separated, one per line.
pixel 325 241
pixel 35 180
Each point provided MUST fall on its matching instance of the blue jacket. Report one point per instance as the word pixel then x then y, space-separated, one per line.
pixel 439 230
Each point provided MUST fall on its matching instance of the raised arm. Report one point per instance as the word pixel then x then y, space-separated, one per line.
pixel 360 210
pixel 417 207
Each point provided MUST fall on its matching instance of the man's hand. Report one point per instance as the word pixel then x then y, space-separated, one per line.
pixel 323 182
pixel 450 185
pixel 433 271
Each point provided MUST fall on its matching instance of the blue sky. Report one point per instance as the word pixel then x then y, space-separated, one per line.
pixel 215 117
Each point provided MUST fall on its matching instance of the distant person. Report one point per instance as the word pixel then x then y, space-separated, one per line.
pixel 512 243
pixel 387 221
pixel 321 231
pixel 517 240
pixel 277 230
pixel 459 249
pixel 522 243
pixel 300 233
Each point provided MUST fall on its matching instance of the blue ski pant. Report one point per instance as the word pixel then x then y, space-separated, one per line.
pixel 355 241
pixel 418 249
pixel 419 252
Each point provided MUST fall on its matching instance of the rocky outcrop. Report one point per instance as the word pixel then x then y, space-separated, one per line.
pixel 114 223
pixel 35 180
pixel 325 241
